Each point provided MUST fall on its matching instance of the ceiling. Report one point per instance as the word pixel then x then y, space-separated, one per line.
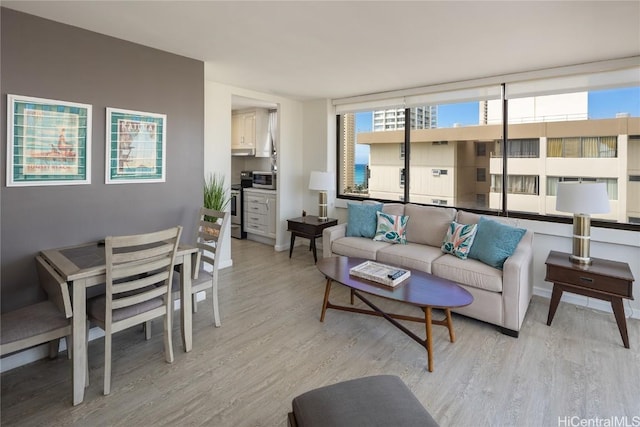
pixel 332 49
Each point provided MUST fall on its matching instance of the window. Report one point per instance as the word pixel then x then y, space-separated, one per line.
pixel 522 148
pixel 556 125
pixel 516 184
pixel 481 149
pixel 583 147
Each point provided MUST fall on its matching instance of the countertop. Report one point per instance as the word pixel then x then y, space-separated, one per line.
pixel 259 190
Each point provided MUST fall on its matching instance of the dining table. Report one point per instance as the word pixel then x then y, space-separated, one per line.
pixel 83 267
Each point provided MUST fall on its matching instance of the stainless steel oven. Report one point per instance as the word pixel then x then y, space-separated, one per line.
pixel 236 212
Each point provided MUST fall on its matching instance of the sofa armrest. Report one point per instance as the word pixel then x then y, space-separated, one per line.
pixel 517 283
pixel 330 234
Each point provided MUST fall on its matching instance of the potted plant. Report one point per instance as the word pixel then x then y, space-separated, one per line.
pixel 215 194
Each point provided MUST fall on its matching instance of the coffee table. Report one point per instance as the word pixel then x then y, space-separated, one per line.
pixel 423 290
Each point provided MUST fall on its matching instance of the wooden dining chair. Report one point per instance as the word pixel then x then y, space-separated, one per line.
pixel 42 322
pixel 211 226
pixel 139 273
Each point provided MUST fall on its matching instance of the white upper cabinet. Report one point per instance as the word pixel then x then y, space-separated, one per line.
pixel 249 133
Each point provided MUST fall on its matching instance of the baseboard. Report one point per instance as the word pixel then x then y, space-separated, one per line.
pixel 582 301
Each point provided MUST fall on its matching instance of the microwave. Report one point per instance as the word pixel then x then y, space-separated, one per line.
pixel 264 179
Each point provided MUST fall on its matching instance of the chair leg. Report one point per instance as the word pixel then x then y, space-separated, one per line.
pixel 107 361
pixel 194 304
pixel 69 340
pixel 168 343
pixel 216 310
pixel 54 345
pixel 86 355
pixel 147 330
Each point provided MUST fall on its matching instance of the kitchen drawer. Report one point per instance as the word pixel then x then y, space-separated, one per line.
pixel 257 208
pixel 254 218
pixel 588 280
pixel 255 228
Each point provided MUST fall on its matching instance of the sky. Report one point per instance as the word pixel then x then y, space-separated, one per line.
pixel 602 104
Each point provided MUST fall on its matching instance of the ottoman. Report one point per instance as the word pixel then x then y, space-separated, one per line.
pixel 377 401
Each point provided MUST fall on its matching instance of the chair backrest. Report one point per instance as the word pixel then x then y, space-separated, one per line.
pixel 55 286
pixel 139 267
pixel 211 229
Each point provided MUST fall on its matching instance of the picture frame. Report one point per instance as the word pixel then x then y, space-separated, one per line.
pixel 48 142
pixel 135 147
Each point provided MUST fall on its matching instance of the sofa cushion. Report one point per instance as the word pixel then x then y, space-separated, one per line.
pixel 393 208
pixel 362 219
pixel 391 228
pixel 459 239
pixel 468 272
pixel 411 255
pixel 359 247
pixel 495 242
pixel 428 224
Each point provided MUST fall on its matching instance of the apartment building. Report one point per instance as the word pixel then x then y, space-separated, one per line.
pixel 463 166
pixel 394 118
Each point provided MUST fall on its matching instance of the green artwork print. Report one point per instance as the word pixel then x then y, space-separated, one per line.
pixel 135 146
pixel 49 142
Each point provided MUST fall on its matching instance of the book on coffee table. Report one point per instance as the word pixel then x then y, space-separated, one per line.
pixel 380 273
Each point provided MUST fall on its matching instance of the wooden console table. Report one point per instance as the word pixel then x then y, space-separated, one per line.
pixel 310 227
pixel 603 279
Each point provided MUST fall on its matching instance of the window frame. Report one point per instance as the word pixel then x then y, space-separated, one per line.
pixel 585 69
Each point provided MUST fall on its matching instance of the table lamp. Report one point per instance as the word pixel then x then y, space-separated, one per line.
pixel 322 181
pixel 582 199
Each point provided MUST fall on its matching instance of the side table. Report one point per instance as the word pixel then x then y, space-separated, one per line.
pixel 603 279
pixel 308 227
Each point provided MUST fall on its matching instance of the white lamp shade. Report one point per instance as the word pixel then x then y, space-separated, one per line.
pixel 323 181
pixel 582 197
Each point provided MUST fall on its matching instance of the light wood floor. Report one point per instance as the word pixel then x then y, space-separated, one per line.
pixel 272 347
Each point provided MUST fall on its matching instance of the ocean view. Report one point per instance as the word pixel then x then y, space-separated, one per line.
pixel 360 173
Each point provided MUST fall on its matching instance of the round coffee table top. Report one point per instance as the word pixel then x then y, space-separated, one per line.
pixel 421 289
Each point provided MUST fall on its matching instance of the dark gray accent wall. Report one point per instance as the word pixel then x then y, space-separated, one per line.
pixel 46 59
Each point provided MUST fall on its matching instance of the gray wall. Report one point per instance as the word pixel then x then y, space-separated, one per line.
pixel 46 59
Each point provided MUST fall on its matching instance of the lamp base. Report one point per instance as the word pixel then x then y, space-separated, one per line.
pixel 581 240
pixel 322 206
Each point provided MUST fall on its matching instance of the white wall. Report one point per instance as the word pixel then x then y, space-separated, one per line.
pixel 617 245
pixel 217 143
pixel 319 153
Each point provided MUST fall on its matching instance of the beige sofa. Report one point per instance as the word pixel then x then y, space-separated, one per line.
pixel 501 297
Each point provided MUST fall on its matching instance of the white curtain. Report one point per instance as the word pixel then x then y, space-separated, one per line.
pixel 273 138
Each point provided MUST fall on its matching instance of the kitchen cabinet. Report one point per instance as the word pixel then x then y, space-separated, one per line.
pixel 250 133
pixel 260 212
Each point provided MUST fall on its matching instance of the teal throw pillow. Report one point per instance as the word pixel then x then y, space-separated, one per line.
pixel 391 228
pixel 459 239
pixel 495 242
pixel 362 220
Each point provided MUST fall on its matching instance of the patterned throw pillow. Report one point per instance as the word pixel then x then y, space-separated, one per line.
pixel 391 228
pixel 361 219
pixel 459 239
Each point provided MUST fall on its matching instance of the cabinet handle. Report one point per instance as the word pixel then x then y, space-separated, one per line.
pixel 586 279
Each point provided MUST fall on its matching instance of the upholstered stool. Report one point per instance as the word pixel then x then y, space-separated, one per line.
pixel 377 401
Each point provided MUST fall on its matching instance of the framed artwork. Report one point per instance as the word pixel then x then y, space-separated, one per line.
pixel 48 142
pixel 136 149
